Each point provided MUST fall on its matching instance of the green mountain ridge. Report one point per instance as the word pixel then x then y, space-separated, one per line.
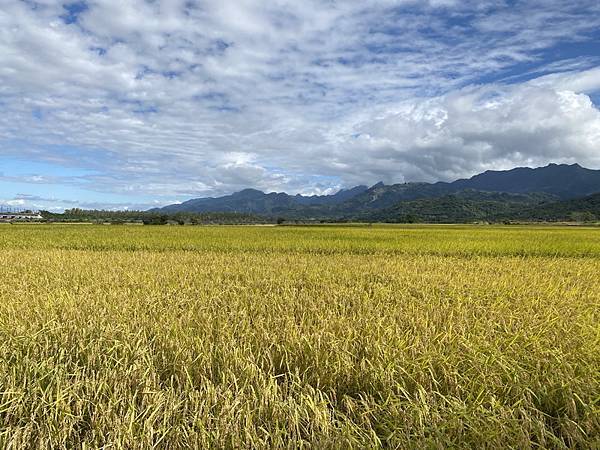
pixel 585 209
pixel 517 194
pixel 463 206
pixel 473 206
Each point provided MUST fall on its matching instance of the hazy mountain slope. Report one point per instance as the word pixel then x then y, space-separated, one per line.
pixel 383 196
pixel 333 199
pixel 257 202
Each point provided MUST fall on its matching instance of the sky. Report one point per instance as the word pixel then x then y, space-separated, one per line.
pixel 132 104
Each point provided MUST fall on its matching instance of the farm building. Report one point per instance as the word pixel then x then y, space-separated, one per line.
pixel 20 217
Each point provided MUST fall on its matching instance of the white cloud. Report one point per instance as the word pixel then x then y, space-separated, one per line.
pixel 175 99
pixel 478 128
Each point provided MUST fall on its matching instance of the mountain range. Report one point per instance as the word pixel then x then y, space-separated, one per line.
pixel 520 193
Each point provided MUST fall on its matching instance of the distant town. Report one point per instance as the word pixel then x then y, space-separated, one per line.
pixel 20 216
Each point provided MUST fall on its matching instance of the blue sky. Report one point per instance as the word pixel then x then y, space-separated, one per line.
pixel 135 103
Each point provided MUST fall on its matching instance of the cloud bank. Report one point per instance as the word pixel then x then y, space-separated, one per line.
pixel 172 99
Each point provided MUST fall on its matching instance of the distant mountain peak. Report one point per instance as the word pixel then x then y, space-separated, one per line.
pixel 360 187
pixel 254 201
pixel 558 165
pixel 559 181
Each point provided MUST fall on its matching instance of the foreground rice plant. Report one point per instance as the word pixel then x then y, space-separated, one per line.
pixel 328 337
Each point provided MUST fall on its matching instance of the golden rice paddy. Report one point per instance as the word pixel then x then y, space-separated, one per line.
pixel 299 337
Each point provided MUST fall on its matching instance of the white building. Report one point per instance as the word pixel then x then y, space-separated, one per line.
pixel 20 217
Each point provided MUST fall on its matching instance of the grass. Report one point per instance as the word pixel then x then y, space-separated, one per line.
pixel 289 337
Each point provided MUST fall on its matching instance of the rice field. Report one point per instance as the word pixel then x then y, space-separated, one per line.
pixel 299 337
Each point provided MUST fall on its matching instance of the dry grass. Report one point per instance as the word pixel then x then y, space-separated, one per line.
pixel 333 337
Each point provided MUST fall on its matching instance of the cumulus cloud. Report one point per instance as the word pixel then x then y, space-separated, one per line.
pixel 174 99
pixel 466 131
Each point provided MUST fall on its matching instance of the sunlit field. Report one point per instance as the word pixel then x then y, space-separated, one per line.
pixel 299 337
